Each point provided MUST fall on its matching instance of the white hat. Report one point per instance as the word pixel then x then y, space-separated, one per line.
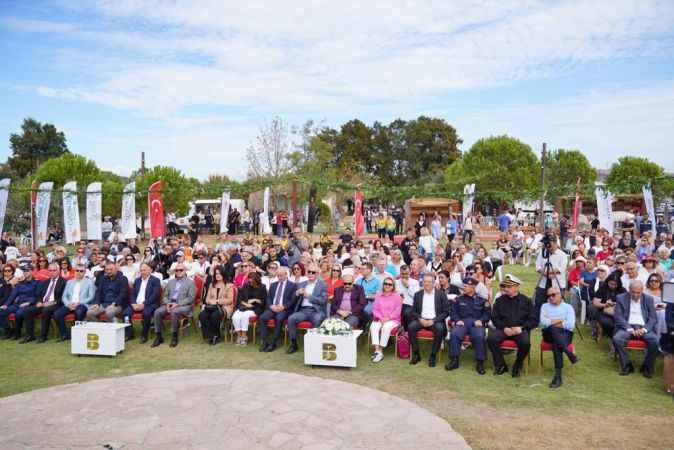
pixel 511 279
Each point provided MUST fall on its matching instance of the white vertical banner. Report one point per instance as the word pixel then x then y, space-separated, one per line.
pixel 129 211
pixel 94 211
pixel 42 211
pixel 650 208
pixel 264 223
pixel 71 213
pixel 224 212
pixel 469 197
pixel 605 209
pixel 4 195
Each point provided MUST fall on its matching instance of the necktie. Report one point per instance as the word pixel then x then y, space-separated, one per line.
pixel 52 283
pixel 279 293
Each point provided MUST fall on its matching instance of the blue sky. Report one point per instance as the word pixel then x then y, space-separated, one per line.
pixel 190 83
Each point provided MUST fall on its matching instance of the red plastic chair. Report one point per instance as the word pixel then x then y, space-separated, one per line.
pixel 510 344
pixel 547 347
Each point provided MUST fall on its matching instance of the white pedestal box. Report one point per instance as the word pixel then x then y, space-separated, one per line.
pixel 335 351
pixel 97 338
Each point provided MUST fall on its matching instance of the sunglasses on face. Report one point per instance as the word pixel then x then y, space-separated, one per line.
pixel 312 272
pixel 79 270
pixel 180 270
pixel 297 268
pixel 348 284
pixel 388 284
pixel 7 271
pixel 336 270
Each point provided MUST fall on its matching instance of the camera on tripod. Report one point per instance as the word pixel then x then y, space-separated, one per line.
pixel 547 240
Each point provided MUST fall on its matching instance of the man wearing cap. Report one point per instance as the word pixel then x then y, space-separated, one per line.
pixel 558 321
pixel 470 314
pixel 429 311
pixel 513 316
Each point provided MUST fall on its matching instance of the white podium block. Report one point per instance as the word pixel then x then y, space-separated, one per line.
pixel 335 351
pixel 97 338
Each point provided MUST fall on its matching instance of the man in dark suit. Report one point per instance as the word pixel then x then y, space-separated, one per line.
pixel 429 311
pixel 145 299
pixel 635 318
pixel 279 305
pixel 348 302
pixel 49 295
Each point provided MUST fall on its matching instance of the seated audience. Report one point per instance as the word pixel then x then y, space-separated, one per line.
pixel 77 295
pixel 558 320
pixel 179 296
pixel 429 311
pixel 250 302
pixel 279 304
pixel 385 317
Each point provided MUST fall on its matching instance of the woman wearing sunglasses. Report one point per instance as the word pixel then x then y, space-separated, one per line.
pixel 385 317
pixel 41 269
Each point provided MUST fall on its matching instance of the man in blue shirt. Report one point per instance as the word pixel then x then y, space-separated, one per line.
pixel 558 321
pixel 371 285
pixel 503 222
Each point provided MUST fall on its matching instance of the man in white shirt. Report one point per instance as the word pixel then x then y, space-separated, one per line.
pixel 144 299
pixel 406 287
pixel 271 276
pixel 552 274
pixel 429 311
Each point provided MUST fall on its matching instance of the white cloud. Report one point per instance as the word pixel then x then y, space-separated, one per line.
pixel 337 56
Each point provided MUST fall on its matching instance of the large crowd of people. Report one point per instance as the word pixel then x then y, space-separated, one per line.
pixel 428 283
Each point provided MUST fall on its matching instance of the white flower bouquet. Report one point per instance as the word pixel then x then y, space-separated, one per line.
pixel 334 326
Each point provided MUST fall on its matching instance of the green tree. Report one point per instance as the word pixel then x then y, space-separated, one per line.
pixel 177 189
pixel 36 144
pixel 630 173
pixel 563 169
pixel 503 169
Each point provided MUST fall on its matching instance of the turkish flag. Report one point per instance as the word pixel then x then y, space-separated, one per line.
pixel 156 207
pixel 358 213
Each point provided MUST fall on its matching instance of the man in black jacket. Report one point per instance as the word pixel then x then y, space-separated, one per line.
pixel 513 317
pixel 49 295
pixel 429 311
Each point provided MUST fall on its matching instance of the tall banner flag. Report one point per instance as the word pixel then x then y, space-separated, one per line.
pixel 156 211
pixel 650 208
pixel 469 196
pixel 94 211
pixel 4 194
pixel 224 212
pixel 605 209
pixel 358 213
pixel 42 211
pixel 71 213
pixel 129 211
pixel 266 226
pixel 577 207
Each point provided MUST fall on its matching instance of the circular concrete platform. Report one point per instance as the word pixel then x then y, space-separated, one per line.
pixel 229 409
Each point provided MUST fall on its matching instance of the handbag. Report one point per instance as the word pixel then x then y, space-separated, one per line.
pixel 403 344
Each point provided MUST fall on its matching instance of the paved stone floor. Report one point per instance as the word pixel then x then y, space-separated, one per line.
pixel 228 409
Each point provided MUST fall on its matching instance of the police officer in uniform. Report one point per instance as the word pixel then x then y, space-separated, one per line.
pixel 513 316
pixel 470 314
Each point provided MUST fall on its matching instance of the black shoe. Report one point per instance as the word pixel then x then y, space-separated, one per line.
pixel 626 370
pixel 574 359
pixel 479 368
pixel 556 382
pixel 452 364
pixel 270 348
pixel 292 349
pixel 27 339
pixel 215 340
pixel 516 371
pixel 143 338
pixel 646 372
pixel 62 339
pixel 263 347
pixel 16 336
pixel 41 340
pixel 416 357
pixel 500 370
pixel 8 334
pixel 158 340
pixel 431 361
pixel 174 340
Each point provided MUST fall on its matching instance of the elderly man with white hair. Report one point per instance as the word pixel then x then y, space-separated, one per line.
pixel 635 318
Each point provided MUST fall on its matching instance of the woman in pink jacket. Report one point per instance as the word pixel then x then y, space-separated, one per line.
pixel 385 317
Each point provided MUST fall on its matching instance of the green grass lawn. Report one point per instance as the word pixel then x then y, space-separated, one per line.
pixel 482 408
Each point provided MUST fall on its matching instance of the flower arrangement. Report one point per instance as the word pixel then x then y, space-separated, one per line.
pixel 334 326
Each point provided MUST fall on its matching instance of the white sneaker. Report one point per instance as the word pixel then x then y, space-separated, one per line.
pixel 378 357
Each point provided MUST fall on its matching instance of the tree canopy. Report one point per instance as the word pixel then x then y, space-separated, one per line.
pixel 36 144
pixel 177 189
pixel 563 169
pixel 503 169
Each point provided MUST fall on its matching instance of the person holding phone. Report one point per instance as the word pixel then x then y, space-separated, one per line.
pixel 250 302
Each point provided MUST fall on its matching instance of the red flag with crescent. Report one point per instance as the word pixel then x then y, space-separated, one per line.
pixel 156 206
pixel 358 213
